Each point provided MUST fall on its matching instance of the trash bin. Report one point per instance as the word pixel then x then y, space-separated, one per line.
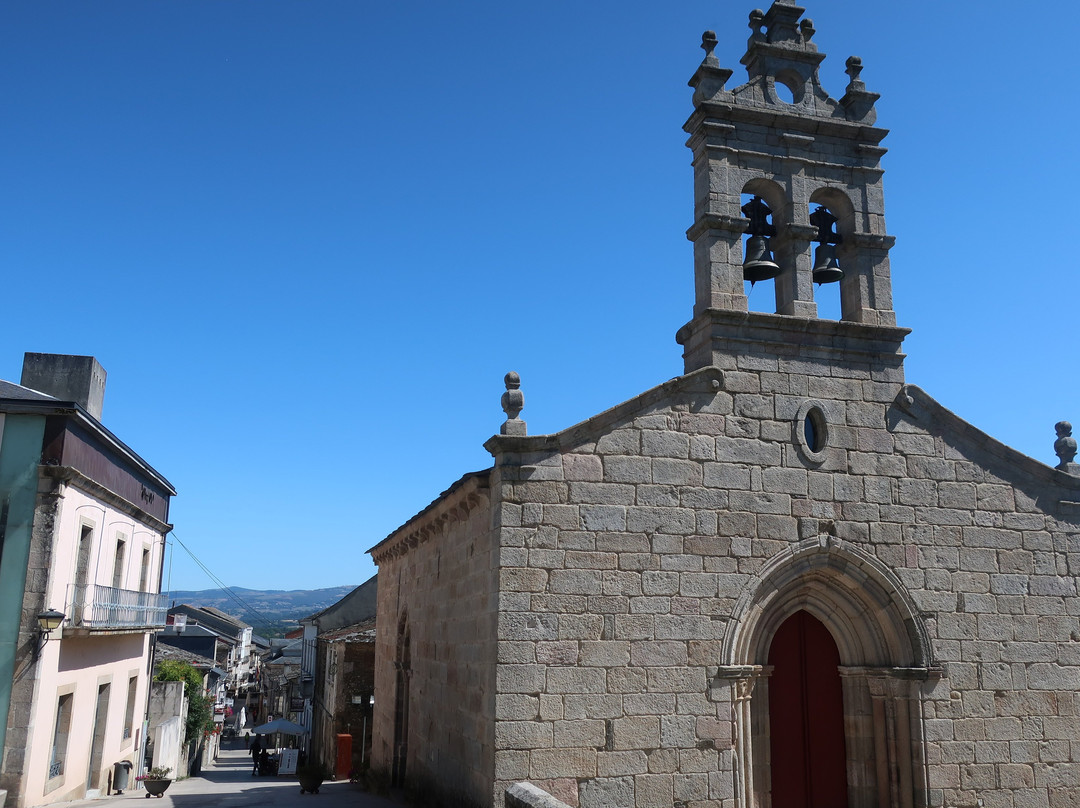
pixel 121 775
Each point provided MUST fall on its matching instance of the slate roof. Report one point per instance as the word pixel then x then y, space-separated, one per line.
pixel 356 607
pixel 227 627
pixel 171 652
pixel 357 632
pixel 224 616
pixel 17 391
pixel 435 503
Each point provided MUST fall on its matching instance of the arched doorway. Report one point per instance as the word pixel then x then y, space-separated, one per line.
pixel 878 649
pixel 806 716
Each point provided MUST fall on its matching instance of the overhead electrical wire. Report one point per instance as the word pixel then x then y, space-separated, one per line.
pixel 248 608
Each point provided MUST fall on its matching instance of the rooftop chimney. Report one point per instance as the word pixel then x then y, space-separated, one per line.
pixel 69 378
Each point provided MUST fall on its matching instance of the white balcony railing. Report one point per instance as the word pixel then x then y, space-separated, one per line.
pixel 106 607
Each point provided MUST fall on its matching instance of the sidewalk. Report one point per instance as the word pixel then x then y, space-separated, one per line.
pixel 229 784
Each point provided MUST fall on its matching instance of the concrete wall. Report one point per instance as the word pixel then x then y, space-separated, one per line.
pixel 69 378
pixel 448 596
pixel 168 737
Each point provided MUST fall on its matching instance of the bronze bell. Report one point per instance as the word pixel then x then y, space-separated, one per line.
pixel 759 264
pixel 826 267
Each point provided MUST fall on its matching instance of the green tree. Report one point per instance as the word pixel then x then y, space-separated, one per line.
pixel 200 715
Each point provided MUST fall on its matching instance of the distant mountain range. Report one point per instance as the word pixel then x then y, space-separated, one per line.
pixel 272 612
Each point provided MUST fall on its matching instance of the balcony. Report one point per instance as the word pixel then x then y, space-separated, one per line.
pixel 106 608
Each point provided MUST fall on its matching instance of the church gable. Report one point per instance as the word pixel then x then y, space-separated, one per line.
pixel 652 566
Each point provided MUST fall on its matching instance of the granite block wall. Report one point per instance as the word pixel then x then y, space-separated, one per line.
pixel 644 567
pixel 438 577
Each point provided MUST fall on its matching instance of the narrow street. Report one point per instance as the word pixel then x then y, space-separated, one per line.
pixel 229 784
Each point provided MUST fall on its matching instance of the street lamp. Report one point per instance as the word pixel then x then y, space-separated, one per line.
pixel 48 622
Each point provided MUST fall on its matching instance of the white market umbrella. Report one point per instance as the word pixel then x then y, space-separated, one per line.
pixel 281 725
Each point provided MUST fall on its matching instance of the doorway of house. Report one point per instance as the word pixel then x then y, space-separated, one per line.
pixel 806 717
pixel 97 742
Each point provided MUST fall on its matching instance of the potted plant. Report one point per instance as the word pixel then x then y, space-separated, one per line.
pixel 156 780
pixel 311 776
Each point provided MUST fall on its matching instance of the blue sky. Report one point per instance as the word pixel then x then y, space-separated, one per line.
pixel 307 239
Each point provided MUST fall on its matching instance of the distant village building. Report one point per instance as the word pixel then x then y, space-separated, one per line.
pixel 279 687
pixel 344 698
pixel 226 639
pixel 83 521
pixel 784 579
pixel 339 657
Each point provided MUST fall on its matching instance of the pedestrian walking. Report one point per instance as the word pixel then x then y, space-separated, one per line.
pixel 256 749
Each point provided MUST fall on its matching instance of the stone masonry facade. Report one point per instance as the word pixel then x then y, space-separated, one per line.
pixel 634 572
pixel 435 646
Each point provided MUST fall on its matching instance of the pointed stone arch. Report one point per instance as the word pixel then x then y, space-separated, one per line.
pixel 403 674
pixel 842 586
pixel 885 654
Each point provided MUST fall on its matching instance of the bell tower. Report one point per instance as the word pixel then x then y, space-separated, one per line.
pixel 787 190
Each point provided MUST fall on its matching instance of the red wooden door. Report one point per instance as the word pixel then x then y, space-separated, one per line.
pixel 806 717
pixel 343 764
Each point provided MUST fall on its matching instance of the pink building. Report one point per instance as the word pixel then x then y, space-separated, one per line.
pixel 82 533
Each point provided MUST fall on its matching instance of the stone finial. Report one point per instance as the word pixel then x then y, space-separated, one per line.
pixel 513 402
pixel 757 20
pixel 708 44
pixel 858 104
pixel 1065 448
pixel 808 30
pixel 782 25
pixel 708 80
pixel 853 67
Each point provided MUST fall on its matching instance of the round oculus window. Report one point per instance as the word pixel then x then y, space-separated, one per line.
pixel 811 430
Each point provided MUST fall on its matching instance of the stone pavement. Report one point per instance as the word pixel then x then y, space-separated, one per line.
pixel 229 784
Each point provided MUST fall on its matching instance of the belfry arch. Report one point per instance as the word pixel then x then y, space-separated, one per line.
pixel 884 653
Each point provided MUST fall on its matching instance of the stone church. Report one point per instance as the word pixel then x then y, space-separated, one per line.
pixel 784 579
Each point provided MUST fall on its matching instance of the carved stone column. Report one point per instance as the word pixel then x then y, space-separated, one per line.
pixel 795 287
pixel 883 703
pixel 742 680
